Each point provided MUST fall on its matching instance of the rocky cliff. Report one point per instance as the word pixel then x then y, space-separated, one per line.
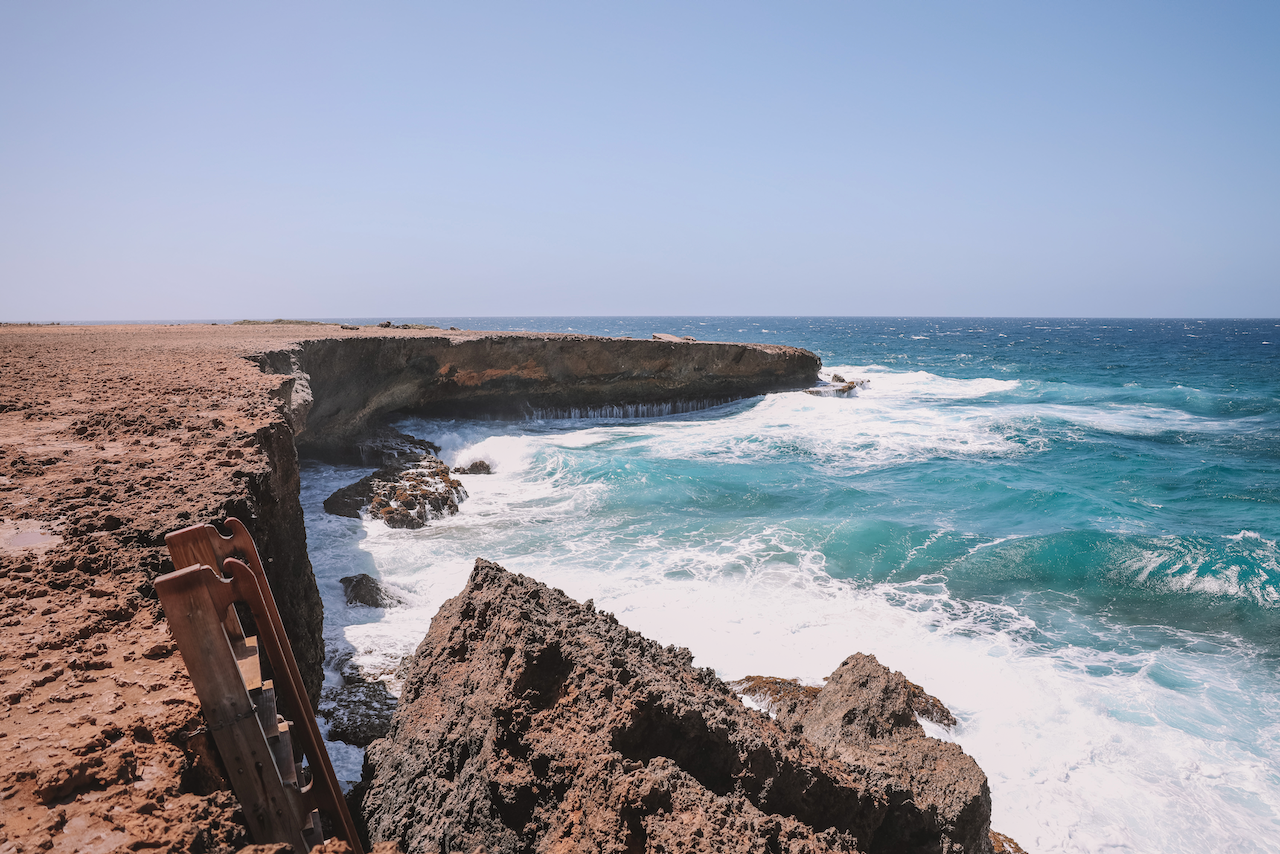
pixel 336 389
pixel 530 722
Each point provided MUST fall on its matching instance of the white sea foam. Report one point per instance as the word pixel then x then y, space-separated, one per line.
pixel 869 431
pixel 1077 762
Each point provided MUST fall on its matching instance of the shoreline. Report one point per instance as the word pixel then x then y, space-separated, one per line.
pixel 112 436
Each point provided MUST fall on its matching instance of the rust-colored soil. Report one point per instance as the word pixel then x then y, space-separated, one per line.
pixel 110 437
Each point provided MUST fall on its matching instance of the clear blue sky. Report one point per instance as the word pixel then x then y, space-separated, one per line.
pixel 184 160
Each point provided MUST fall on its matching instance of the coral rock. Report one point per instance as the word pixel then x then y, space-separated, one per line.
pixel 402 496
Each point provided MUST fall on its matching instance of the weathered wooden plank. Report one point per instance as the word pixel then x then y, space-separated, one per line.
pixel 191 546
pixel 282 749
pixel 266 703
pixel 205 545
pixel 246 653
pixel 190 598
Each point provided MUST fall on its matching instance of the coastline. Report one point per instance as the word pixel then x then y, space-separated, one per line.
pixel 112 436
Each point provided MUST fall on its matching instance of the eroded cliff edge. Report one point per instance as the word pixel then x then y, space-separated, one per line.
pixel 339 388
pixel 110 437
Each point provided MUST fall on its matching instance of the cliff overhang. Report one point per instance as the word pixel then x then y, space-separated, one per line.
pixel 338 389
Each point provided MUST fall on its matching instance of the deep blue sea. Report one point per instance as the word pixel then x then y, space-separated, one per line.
pixel 1065 530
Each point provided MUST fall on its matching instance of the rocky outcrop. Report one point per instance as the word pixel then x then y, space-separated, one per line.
pixel 402 496
pixel 384 446
pixel 838 387
pixel 529 722
pixel 358 712
pixel 337 389
pixel 866 715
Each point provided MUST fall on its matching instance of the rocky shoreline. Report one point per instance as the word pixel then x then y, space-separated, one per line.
pixel 111 437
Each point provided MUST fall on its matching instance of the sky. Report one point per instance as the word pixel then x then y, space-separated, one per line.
pixel 167 160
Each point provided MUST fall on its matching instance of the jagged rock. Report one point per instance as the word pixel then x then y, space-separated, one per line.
pixel 884 701
pixel 866 714
pixel 359 712
pixel 478 467
pixel 403 497
pixel 530 722
pixel 366 590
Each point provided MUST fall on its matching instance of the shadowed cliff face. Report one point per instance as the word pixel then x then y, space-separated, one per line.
pixel 342 387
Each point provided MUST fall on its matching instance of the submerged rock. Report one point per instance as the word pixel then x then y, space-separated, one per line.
pixel 529 722
pixel 402 496
pixel 838 387
pixel 366 590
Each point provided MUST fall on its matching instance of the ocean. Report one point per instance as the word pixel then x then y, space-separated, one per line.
pixel 1066 530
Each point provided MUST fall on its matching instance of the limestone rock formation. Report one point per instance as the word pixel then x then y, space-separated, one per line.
pixel 402 496
pixel 337 389
pixel 530 722
pixel 123 434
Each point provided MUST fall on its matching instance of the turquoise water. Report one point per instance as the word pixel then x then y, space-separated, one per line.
pixel 1066 530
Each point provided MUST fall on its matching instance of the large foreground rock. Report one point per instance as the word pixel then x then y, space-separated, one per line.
pixel 529 722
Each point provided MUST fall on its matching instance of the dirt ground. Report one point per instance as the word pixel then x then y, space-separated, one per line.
pixel 110 437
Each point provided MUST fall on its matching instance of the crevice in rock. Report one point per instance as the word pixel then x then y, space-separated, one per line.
pixel 655 729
